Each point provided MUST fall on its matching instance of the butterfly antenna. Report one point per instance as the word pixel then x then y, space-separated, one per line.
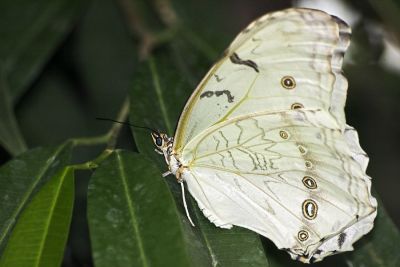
pixel 184 203
pixel 128 124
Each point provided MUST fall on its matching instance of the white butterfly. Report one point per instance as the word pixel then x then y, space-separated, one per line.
pixel 262 143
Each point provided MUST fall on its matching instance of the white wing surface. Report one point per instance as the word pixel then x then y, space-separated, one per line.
pixel 284 60
pixel 290 176
pixel 263 143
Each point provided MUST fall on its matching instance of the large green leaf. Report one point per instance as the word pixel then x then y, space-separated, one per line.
pixel 21 178
pixel 40 235
pixel 132 216
pixel 10 136
pixel 236 247
pixel 30 33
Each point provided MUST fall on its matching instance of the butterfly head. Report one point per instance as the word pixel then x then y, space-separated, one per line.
pixel 163 144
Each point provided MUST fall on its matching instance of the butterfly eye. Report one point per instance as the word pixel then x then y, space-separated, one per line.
pixel 159 141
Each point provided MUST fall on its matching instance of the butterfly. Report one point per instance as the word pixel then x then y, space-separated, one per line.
pixel 262 143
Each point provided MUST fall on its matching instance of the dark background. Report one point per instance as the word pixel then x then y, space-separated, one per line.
pixel 88 67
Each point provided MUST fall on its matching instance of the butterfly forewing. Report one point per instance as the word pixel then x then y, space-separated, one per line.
pixel 284 60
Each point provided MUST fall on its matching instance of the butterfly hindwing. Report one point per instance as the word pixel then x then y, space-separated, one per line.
pixel 291 166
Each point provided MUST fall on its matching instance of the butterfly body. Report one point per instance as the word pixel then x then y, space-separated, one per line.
pixel 263 144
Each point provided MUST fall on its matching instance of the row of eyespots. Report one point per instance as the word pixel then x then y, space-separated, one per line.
pixel 309 206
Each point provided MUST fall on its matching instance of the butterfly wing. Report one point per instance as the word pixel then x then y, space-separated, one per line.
pixel 284 60
pixel 264 142
pixel 292 176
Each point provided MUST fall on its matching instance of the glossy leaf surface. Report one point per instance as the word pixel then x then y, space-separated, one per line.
pixel 40 235
pixel 132 218
pixel 22 177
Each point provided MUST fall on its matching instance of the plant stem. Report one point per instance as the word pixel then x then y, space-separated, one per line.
pixel 11 137
pixel 110 138
pixel 167 14
pixel 90 141
pixel 93 164
pixel 136 24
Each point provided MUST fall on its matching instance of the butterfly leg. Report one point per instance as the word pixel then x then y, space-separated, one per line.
pixel 165 174
pixel 184 202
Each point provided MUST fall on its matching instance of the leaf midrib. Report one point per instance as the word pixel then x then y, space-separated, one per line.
pixel 50 217
pixel 131 209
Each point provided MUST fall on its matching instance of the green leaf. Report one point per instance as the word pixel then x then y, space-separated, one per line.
pixel 22 177
pixel 161 87
pixel 10 136
pixel 41 232
pixel 234 247
pixel 132 217
pixel 30 33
